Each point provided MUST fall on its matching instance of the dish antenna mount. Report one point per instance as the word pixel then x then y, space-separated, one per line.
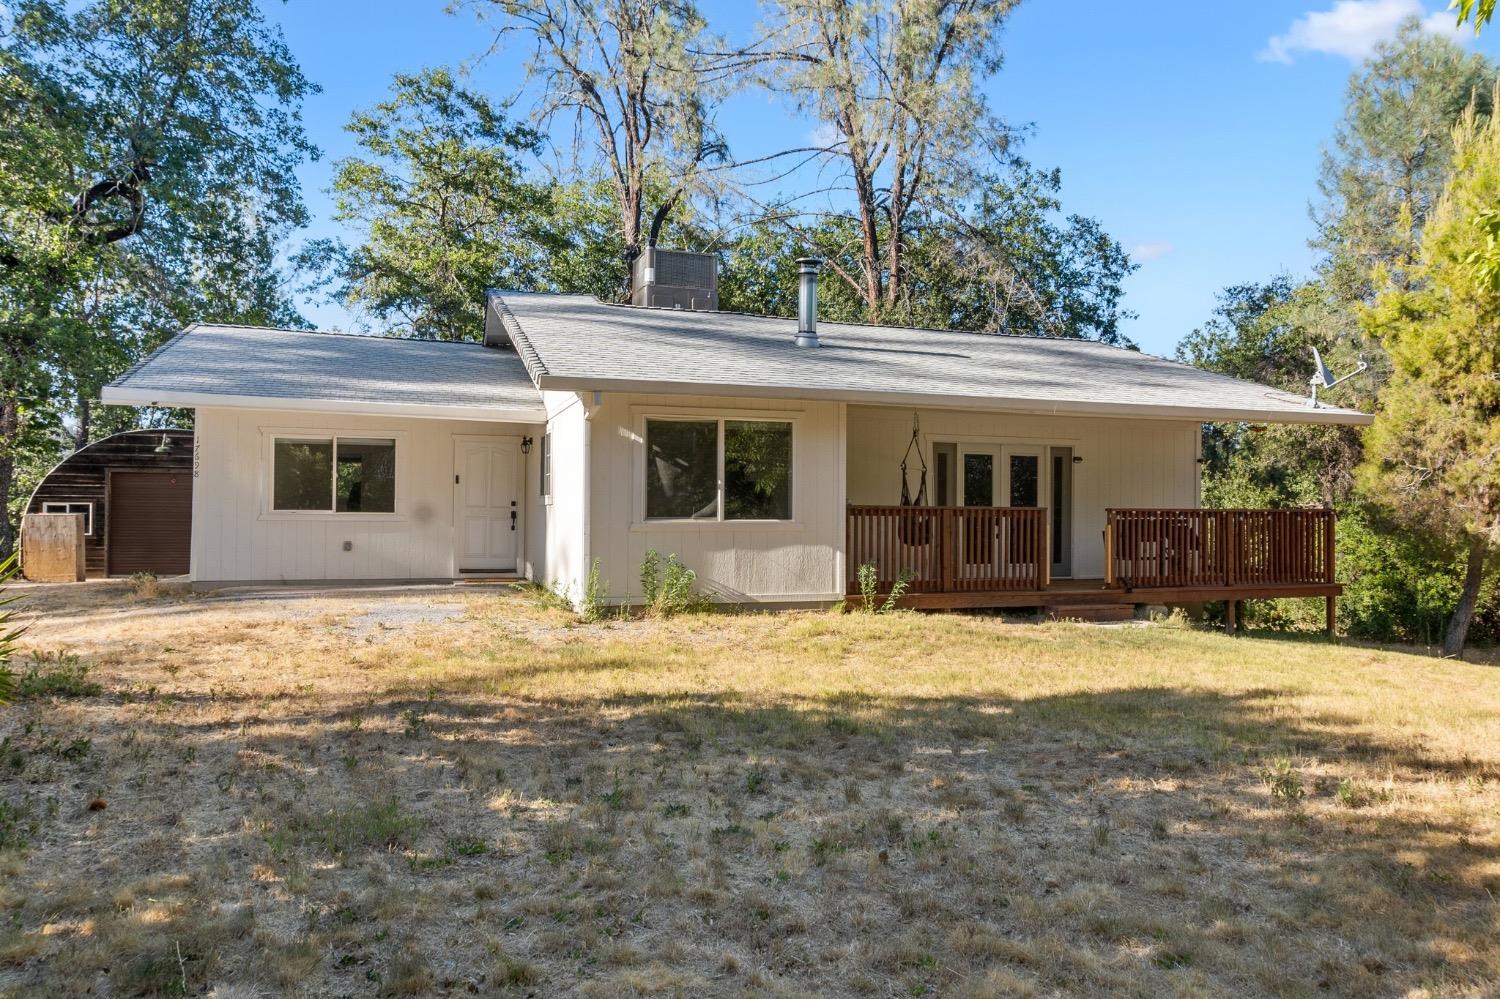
pixel 1323 378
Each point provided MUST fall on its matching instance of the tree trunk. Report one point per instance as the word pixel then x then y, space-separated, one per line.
pixel 632 195
pixel 1463 614
pixel 85 423
pixel 869 227
pixel 10 426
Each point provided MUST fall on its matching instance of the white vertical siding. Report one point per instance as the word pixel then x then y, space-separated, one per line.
pixel 1125 462
pixel 235 538
pixel 740 563
pixel 559 524
pixel 842 454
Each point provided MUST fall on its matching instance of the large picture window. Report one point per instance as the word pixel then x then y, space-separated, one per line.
pixel 333 475
pixel 718 470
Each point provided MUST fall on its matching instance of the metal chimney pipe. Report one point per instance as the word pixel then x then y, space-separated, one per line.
pixel 807 301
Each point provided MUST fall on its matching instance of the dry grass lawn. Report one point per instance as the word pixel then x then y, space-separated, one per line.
pixel 458 792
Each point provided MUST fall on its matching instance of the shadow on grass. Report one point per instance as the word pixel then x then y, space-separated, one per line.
pixel 1221 842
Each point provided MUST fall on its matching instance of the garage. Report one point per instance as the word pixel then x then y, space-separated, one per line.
pixel 150 522
pixel 135 492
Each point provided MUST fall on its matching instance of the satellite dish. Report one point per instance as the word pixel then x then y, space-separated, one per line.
pixel 1322 378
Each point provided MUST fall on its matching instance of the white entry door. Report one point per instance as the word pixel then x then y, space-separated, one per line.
pixel 486 503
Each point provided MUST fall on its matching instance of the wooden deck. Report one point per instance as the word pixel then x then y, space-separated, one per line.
pixel 987 557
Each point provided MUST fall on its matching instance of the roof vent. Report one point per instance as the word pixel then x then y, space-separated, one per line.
pixel 674 279
pixel 807 301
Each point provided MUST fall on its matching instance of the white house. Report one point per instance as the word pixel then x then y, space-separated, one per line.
pixel 767 453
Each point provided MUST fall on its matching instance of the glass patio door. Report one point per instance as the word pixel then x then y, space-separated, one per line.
pixel 999 475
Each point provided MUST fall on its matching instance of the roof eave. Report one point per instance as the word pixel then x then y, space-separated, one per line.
pixel 124 395
pixel 1043 407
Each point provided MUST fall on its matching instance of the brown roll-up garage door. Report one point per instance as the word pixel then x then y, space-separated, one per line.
pixel 150 522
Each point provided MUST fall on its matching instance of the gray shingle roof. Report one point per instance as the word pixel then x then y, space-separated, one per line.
pixel 239 365
pixel 575 342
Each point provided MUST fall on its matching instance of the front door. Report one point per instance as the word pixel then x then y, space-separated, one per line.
pixel 1000 475
pixel 486 501
pixel 979 483
pixel 995 475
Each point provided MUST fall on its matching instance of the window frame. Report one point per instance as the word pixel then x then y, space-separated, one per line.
pixel 88 512
pixel 269 510
pixel 719 417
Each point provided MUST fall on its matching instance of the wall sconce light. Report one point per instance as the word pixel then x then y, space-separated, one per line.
pixel 164 447
pixel 1078 459
pixel 525 445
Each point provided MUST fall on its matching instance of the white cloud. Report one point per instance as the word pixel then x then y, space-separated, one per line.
pixel 1142 252
pixel 1352 29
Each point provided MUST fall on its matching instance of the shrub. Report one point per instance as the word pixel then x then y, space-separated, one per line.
pixel 869 586
pixel 1284 782
pixel 9 632
pixel 650 576
pixel 868 577
pixel 668 586
pixel 145 585
pixel 553 597
pixel 595 596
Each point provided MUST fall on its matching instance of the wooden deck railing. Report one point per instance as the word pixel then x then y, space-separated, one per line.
pixel 950 549
pixel 1147 549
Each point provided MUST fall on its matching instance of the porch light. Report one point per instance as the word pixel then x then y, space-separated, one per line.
pixel 525 445
pixel 164 447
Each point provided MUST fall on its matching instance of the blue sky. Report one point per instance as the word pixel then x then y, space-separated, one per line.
pixel 1195 139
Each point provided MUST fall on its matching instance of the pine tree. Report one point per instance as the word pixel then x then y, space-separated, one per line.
pixel 1434 451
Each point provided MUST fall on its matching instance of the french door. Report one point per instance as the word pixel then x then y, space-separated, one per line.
pixel 1001 475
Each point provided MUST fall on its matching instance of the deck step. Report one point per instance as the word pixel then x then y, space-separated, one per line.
pixel 1091 612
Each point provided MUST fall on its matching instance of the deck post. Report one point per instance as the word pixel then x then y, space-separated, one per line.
pixel 1231 615
pixel 948 532
pixel 1332 619
pixel 1109 548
